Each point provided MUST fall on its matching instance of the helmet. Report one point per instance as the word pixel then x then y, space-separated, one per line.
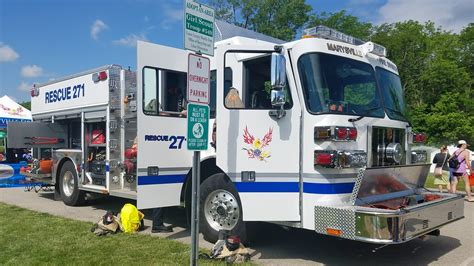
pixel 232 243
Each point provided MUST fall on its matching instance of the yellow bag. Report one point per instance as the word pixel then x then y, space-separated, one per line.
pixel 130 218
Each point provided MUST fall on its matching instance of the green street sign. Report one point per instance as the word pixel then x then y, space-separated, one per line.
pixel 198 127
pixel 199 27
pixel 2 134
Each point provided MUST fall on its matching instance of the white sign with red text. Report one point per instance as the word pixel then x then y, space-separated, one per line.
pixel 198 79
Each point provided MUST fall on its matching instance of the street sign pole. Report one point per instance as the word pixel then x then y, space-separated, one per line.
pixel 196 181
pixel 197 140
pixel 199 37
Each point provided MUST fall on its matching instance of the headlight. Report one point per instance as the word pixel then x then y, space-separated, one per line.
pixel 352 159
pixel 394 152
pixel 418 157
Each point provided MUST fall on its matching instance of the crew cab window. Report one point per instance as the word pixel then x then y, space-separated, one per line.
pixel 164 92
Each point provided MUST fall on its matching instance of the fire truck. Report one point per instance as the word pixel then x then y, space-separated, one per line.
pixel 308 134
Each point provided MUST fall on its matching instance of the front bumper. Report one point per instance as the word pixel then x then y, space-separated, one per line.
pixel 383 226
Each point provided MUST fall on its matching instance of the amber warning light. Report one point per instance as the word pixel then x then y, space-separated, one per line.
pixel 333 232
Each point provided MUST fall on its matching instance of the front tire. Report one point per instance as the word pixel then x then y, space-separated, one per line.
pixel 69 186
pixel 220 208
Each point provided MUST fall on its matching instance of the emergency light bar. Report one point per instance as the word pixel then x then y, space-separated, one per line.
pixel 332 34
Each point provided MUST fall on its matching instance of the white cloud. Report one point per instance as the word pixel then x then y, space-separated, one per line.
pixel 24 86
pixel 171 15
pixel 7 54
pixel 131 40
pixel 31 71
pixel 450 14
pixel 97 27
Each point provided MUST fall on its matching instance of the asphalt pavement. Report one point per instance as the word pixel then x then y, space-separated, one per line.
pixel 277 245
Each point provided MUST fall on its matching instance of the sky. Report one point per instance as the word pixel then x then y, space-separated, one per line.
pixel 41 40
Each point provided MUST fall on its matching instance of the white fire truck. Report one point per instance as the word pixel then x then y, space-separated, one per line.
pixel 309 134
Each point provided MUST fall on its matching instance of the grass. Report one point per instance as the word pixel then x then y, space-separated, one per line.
pixel 430 184
pixel 33 238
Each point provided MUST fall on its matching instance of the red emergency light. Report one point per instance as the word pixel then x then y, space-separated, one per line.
pixel 419 137
pixel 324 158
pixel 34 91
pixel 96 77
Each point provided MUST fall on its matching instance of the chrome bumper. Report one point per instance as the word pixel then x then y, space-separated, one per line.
pixel 388 226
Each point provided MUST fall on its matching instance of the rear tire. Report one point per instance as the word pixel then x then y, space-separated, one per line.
pixel 69 186
pixel 220 208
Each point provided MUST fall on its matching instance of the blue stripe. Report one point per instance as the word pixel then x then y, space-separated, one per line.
pixel 311 188
pixel 160 179
pixel 322 188
pixel 267 186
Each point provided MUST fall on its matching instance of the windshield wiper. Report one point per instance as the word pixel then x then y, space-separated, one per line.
pixel 352 120
pixel 362 116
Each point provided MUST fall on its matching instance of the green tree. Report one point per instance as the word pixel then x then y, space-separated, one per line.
pixel 466 39
pixel 342 22
pixel 27 105
pixel 437 84
pixel 407 46
pixel 449 120
pixel 277 18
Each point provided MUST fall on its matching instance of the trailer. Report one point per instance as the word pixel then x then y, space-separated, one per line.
pixel 309 134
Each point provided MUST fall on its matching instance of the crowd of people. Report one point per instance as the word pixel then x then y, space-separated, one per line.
pixel 451 168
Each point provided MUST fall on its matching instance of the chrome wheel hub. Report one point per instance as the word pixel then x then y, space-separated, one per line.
pixel 68 183
pixel 221 210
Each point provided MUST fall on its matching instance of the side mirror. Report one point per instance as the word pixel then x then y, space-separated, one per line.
pixel 278 98
pixel 278 73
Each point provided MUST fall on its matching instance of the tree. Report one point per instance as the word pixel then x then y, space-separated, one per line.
pixel 407 46
pixel 27 105
pixel 466 39
pixel 437 85
pixel 277 18
pixel 342 22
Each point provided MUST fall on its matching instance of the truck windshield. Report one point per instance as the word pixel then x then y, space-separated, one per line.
pixel 335 84
pixel 392 93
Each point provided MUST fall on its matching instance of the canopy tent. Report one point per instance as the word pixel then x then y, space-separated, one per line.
pixel 11 111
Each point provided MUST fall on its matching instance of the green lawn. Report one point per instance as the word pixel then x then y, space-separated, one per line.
pixel 430 180
pixel 28 237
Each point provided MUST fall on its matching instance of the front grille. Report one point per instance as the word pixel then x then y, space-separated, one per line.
pixel 382 138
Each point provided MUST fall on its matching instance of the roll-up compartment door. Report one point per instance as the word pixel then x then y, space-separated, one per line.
pixel 37 135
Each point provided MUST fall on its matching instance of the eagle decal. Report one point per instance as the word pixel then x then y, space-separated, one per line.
pixel 256 149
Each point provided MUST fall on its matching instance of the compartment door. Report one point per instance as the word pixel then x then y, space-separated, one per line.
pixel 163 160
pixel 36 135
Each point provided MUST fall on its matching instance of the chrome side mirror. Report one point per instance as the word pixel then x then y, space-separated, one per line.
pixel 278 98
pixel 278 73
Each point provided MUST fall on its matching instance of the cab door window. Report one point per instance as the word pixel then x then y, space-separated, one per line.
pixel 164 92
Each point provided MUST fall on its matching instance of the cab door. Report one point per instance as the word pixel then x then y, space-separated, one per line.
pixel 259 152
pixel 162 158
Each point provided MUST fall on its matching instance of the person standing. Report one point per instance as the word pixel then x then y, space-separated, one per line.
pixel 157 225
pixel 464 169
pixel 441 169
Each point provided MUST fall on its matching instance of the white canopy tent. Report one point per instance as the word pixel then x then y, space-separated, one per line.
pixel 12 111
